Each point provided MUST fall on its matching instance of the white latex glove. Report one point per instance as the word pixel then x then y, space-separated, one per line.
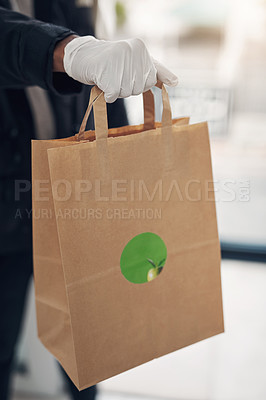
pixel 120 69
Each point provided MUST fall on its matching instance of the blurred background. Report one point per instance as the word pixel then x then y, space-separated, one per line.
pixel 217 48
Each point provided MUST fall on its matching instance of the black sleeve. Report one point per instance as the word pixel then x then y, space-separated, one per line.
pixel 26 54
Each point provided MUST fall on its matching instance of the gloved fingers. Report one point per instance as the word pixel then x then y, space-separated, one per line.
pixel 111 84
pixel 127 80
pixel 126 91
pixel 150 80
pixel 138 83
pixel 146 78
pixel 164 75
pixel 111 95
pixel 114 88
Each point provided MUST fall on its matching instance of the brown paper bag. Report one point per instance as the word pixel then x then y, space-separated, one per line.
pixel 126 250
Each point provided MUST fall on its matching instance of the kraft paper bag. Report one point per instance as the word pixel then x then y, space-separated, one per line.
pixel 126 249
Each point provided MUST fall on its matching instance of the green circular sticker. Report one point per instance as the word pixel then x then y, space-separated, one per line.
pixel 143 258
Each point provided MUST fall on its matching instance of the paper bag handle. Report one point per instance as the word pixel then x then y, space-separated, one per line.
pixel 148 103
pixel 100 112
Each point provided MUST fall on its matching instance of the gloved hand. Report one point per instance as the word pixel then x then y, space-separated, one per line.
pixel 120 68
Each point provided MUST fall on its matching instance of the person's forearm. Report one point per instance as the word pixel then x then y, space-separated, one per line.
pixel 58 55
pixel 26 53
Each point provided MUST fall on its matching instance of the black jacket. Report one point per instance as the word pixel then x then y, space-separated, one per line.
pixel 26 51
